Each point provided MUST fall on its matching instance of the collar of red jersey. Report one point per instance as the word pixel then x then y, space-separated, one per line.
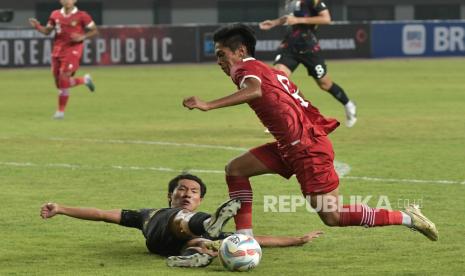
pixel 247 59
pixel 75 10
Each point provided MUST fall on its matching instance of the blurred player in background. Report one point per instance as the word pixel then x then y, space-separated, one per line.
pixel 71 27
pixel 300 46
pixel 302 146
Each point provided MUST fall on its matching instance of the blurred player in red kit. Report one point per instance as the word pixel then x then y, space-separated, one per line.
pixel 71 27
pixel 302 146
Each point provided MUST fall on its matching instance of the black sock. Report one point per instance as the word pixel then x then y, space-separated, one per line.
pixel 196 223
pixel 338 93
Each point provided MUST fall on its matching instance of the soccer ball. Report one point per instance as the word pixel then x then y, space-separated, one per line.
pixel 240 253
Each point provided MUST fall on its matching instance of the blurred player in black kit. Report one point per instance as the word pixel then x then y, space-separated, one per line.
pixel 300 46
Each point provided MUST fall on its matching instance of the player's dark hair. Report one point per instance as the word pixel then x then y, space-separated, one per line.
pixel 235 35
pixel 173 184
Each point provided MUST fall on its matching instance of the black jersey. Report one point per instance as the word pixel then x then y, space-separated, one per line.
pixel 154 224
pixel 302 37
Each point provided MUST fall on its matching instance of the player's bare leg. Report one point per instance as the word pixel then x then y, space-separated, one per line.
pixel 333 213
pixel 326 84
pixel 238 172
pixel 65 80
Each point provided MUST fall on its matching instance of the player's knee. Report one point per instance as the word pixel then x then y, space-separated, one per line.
pixel 331 221
pixel 230 169
pixel 234 168
pixel 325 85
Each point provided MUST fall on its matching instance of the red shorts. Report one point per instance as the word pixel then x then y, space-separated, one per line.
pixel 65 64
pixel 313 167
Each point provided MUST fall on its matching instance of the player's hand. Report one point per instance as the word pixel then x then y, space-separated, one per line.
pixel 195 102
pixel 266 25
pixel 291 20
pixel 310 236
pixel 77 37
pixel 48 210
pixel 34 22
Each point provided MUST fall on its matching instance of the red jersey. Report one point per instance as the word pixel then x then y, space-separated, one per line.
pixel 289 117
pixel 65 26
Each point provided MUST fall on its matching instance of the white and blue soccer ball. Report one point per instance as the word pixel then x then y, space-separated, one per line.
pixel 240 253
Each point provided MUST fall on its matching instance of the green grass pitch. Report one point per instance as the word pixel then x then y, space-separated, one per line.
pixel 408 145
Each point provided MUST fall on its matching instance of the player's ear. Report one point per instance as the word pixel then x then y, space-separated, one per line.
pixel 243 51
pixel 169 199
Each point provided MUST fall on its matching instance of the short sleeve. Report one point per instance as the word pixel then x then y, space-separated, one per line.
pixel 51 20
pixel 318 5
pixel 244 71
pixel 86 20
pixel 132 218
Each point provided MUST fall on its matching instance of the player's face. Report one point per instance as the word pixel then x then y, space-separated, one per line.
pixel 226 58
pixel 186 195
pixel 67 4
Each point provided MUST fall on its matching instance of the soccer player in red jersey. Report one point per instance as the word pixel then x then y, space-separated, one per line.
pixel 302 145
pixel 72 27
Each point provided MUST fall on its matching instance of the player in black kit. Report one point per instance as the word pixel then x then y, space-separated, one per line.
pixel 300 46
pixel 190 238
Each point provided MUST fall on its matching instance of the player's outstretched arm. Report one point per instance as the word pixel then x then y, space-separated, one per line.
pixel 46 30
pixel 323 18
pixel 269 24
pixel 252 90
pixel 49 210
pixel 274 241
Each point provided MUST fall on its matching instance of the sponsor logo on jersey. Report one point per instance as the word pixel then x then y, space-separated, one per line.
pixel 414 39
pixel 74 23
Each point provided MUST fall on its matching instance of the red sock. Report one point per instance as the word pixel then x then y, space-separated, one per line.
pixel 239 187
pixel 76 81
pixel 66 82
pixel 62 99
pixel 362 215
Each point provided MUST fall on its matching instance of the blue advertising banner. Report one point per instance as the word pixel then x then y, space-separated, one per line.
pixel 418 39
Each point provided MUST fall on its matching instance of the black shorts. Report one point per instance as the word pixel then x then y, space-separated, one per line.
pixel 154 224
pixel 312 60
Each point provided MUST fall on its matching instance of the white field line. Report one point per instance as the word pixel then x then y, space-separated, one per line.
pixel 342 169
pixel 163 169
pixel 158 143
pixel 413 181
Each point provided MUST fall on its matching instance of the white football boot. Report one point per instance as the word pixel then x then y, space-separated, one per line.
pixel 89 83
pixel 351 113
pixel 59 115
pixel 421 223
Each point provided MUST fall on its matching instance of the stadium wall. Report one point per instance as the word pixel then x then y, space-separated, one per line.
pixel 418 39
pixel 193 43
